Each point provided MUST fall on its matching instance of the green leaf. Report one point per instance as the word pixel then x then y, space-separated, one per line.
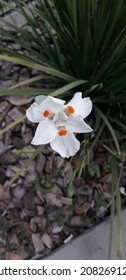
pixel 57 92
pixel 32 64
pixel 23 91
pixel 110 128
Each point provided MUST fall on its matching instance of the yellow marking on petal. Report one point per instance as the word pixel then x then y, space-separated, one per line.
pixel 70 109
pixel 62 132
pixel 46 114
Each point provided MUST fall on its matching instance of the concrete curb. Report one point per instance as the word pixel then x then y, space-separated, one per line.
pixel 92 245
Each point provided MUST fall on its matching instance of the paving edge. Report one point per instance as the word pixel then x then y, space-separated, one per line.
pixel 92 245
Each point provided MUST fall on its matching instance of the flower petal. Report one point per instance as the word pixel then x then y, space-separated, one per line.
pixel 43 103
pixel 34 113
pixel 66 146
pixel 49 105
pixel 45 133
pixel 75 123
pixel 82 106
pixel 57 100
pixel 40 98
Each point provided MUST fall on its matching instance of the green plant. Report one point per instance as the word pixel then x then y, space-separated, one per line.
pixel 44 181
pixel 82 43
pixel 99 201
pixel 79 45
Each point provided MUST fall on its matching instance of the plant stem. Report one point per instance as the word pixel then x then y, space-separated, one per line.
pixel 27 162
pixel 12 124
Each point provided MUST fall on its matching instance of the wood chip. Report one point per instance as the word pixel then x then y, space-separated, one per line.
pixel 29 200
pixel 40 163
pixel 56 229
pixel 68 239
pixel 19 100
pixel 37 243
pixel 40 210
pixel 76 222
pixel 12 256
pixel 18 192
pixel 47 240
pixel 83 208
pixel 53 200
pixel 15 113
pixel 4 107
pixel 3 148
pixel 9 172
pixel 13 241
pixel 66 200
pixel 57 191
pixel 1 191
pixel 54 214
pixel 8 158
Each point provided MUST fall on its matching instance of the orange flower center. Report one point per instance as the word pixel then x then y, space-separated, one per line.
pixel 69 110
pixel 62 132
pixel 46 114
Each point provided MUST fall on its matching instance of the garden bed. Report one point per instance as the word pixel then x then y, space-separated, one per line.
pixel 42 210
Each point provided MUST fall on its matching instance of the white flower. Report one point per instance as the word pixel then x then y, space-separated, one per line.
pixel 58 122
pixel 79 106
pixel 44 107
